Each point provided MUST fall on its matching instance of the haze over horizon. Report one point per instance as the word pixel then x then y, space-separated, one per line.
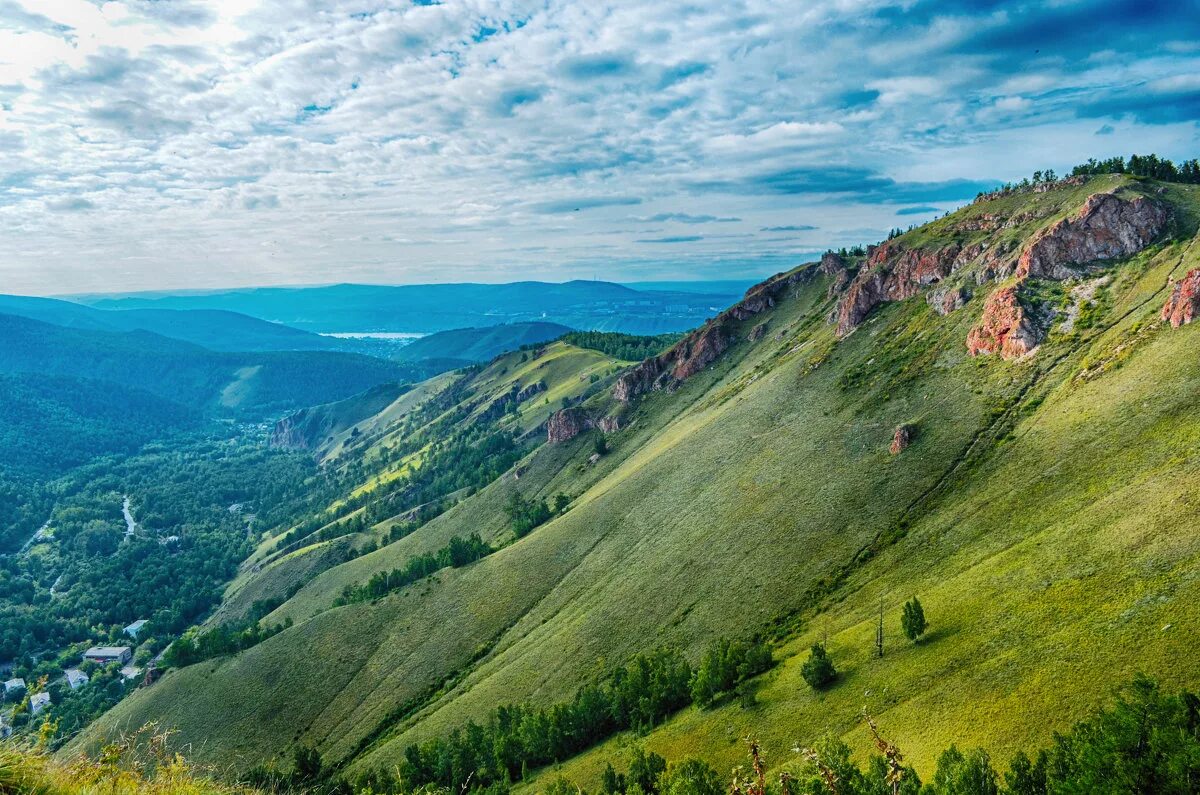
pixel 154 146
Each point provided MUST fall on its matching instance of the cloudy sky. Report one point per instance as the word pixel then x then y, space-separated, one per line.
pixel 150 144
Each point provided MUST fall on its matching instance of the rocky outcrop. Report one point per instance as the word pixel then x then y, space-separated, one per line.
pixel 536 388
pixel 1106 227
pixel 902 438
pixel 705 345
pixel 1184 301
pixel 609 424
pixel 1005 327
pixel 831 263
pixel 565 425
pixel 948 300
pixel 289 433
pixel 758 332
pixel 894 273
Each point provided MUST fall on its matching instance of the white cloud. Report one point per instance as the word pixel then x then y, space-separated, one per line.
pixel 281 140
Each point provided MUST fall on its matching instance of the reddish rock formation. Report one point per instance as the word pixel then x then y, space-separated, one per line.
pixel 1106 227
pixel 1184 301
pixel 565 425
pixel 831 263
pixel 1004 328
pixel 901 439
pixel 893 273
pixel 704 345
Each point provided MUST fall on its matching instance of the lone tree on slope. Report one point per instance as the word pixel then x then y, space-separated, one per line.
pixel 913 620
pixel 818 669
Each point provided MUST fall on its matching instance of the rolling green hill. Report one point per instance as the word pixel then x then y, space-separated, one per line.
pixel 991 412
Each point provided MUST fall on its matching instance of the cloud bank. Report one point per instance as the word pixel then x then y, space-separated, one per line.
pixel 146 144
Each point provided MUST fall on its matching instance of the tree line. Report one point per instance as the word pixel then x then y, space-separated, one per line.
pixel 457 553
pixel 627 347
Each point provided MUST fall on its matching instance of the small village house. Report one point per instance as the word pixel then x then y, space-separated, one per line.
pixel 13 685
pixel 133 629
pixel 76 678
pixel 106 655
pixel 38 702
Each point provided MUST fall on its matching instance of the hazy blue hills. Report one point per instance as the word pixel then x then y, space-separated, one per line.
pixel 216 329
pixel 480 344
pixel 244 384
pixel 588 305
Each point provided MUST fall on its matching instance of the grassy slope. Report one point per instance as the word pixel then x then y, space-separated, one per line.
pixel 1056 569
pixel 763 474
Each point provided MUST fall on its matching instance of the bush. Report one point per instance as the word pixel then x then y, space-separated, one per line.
pixel 818 669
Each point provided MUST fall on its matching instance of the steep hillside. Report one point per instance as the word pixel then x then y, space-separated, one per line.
pixel 993 412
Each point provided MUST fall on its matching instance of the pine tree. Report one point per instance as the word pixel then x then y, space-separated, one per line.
pixel 818 669
pixel 912 621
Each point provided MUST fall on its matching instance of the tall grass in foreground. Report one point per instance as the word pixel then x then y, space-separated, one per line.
pixel 138 763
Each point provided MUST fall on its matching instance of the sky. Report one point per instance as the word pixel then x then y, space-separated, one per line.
pixel 169 144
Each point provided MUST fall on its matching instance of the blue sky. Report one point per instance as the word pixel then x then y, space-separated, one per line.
pixel 147 144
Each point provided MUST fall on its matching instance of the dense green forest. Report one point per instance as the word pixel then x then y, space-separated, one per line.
pixel 200 502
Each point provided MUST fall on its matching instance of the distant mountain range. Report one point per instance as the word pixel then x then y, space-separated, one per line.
pixel 585 305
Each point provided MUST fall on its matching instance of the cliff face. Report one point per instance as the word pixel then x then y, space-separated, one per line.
pixel 1184 301
pixel 893 273
pixel 566 424
pixel 704 345
pixel 289 433
pixel 1106 227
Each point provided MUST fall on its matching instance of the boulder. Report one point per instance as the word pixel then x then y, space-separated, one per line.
pixel 902 438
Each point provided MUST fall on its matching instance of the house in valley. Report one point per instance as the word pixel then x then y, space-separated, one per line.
pixel 106 655
pixel 38 702
pixel 76 678
pixel 133 629
pixel 14 686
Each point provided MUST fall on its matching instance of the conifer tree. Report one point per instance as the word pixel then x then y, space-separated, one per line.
pixel 912 621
